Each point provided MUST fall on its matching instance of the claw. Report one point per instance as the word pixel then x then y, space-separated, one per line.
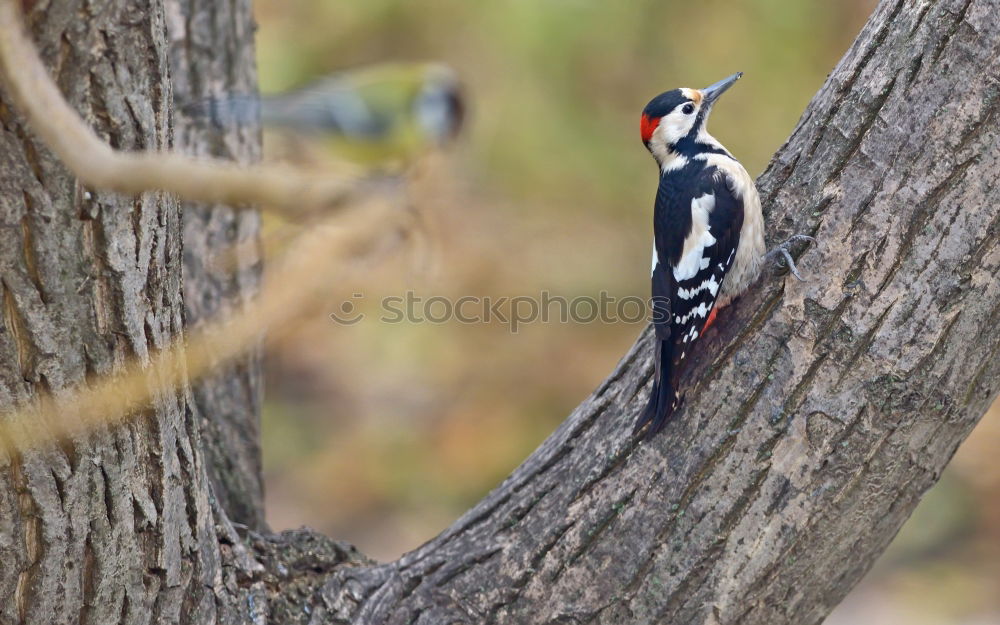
pixel 791 264
pixel 782 249
pixel 799 237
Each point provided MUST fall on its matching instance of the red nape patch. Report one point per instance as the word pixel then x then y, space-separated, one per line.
pixel 647 126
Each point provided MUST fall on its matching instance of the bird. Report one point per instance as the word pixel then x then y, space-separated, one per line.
pixel 376 114
pixel 708 235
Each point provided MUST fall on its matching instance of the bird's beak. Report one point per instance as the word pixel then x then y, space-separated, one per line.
pixel 712 93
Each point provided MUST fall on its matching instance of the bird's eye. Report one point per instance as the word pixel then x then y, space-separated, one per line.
pixel 688 108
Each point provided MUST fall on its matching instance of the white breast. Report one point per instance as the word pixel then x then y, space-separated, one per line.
pixel 749 258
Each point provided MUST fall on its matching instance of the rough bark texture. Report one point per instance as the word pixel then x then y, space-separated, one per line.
pixel 212 55
pixel 819 415
pixel 113 526
pixel 121 525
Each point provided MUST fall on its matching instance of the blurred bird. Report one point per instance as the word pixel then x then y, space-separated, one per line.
pixel 374 115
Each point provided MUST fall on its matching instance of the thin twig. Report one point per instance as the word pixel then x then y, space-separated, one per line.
pixel 36 96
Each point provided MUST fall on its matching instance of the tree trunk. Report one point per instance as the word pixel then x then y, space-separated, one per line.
pixel 114 525
pixel 212 55
pixel 816 414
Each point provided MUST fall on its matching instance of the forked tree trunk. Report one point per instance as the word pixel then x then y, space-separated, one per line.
pixel 817 413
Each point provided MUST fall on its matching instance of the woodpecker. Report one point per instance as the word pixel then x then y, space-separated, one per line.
pixel 708 234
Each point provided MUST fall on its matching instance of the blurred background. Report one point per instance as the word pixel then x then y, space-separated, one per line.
pixel 382 434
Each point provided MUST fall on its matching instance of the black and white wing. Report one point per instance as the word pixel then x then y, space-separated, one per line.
pixel 697 222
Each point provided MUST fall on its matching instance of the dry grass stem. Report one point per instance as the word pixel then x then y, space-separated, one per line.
pixel 299 282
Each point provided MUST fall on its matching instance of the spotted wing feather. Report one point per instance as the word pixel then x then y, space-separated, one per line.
pixel 697 222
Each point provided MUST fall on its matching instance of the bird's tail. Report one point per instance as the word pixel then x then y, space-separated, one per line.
pixel 236 109
pixel 663 398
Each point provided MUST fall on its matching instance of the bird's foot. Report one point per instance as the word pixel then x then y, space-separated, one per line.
pixel 782 250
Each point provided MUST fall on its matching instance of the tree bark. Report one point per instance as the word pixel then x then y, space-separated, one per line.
pixel 212 55
pixel 816 414
pixel 115 525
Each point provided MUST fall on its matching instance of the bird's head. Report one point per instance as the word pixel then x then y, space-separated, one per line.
pixel 439 108
pixel 676 117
